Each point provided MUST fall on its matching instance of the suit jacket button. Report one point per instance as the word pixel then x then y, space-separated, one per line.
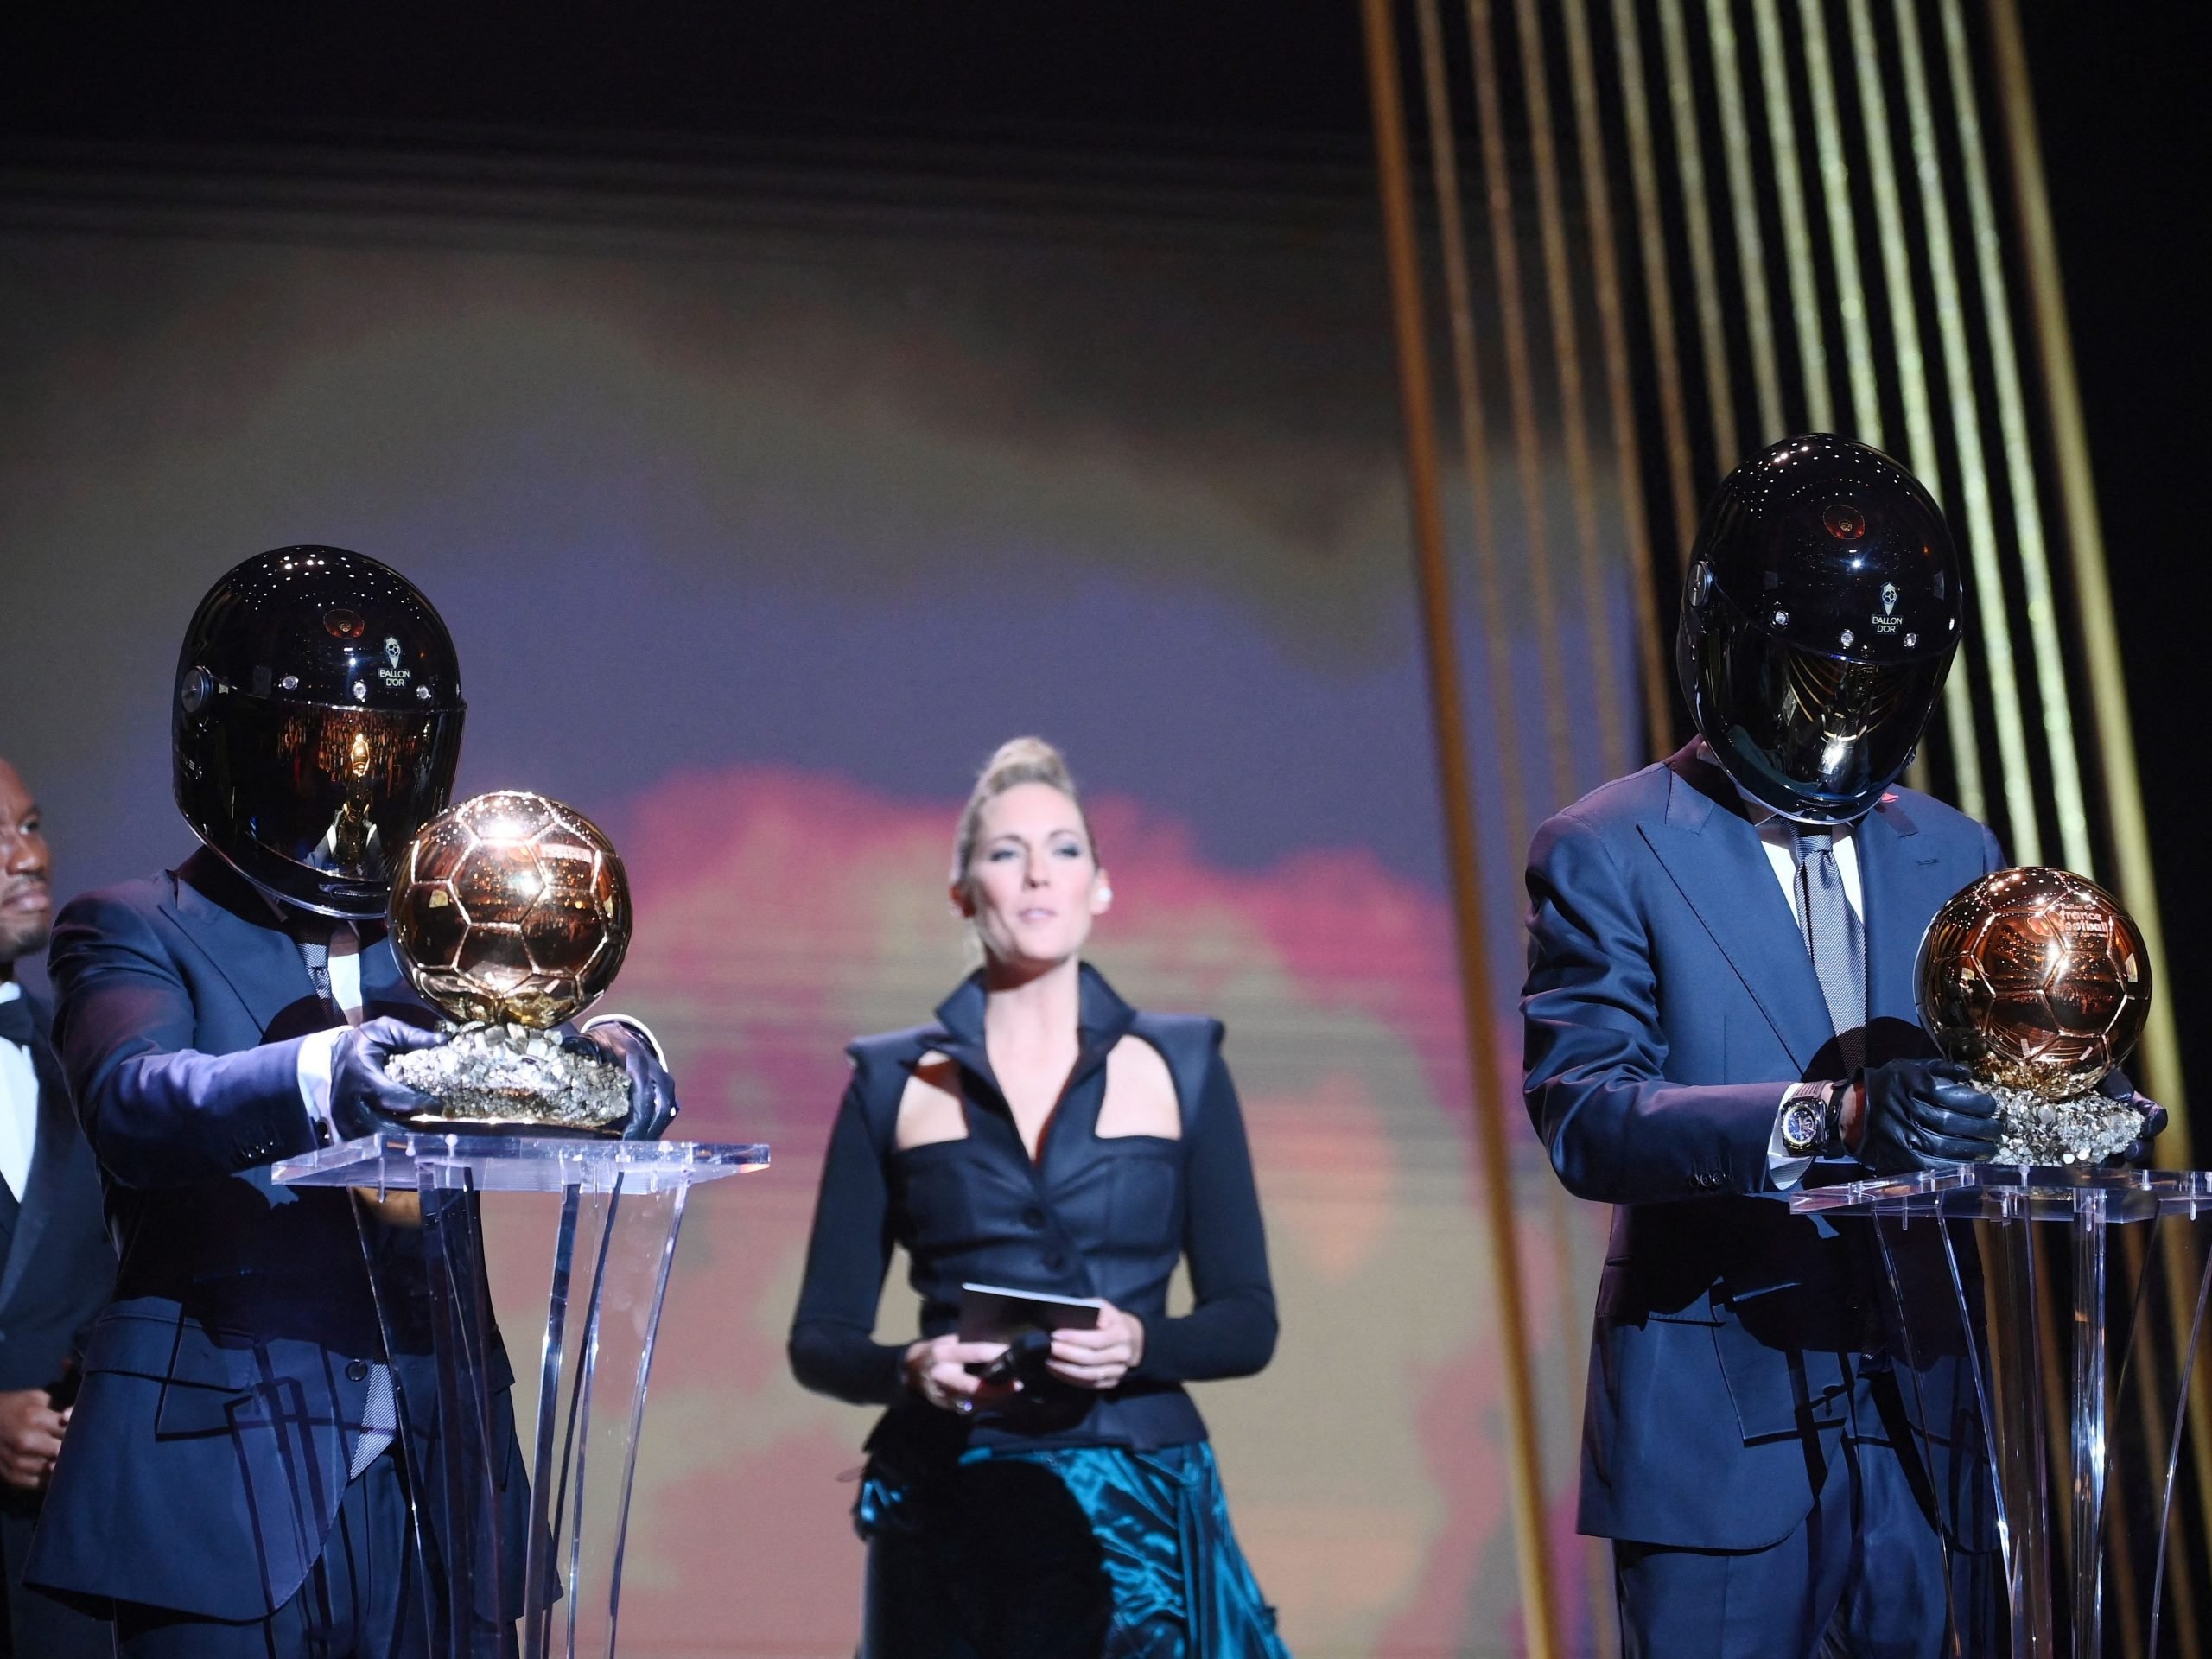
pixel 356 1370
pixel 1032 1216
pixel 1055 1261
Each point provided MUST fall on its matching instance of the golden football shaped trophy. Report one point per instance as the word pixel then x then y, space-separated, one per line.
pixel 2038 983
pixel 510 913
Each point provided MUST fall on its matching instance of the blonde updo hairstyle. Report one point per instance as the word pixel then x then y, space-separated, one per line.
pixel 1021 760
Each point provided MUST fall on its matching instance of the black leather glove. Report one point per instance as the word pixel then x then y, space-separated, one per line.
pixel 2137 1155
pixel 362 1099
pixel 652 1091
pixel 1923 1114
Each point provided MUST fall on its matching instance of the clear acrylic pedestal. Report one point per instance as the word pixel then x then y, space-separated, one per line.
pixel 621 1204
pixel 1974 1267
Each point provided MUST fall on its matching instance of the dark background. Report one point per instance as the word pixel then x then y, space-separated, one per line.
pixel 1076 91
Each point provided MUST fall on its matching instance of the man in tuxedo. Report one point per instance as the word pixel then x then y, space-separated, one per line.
pixel 254 1463
pixel 56 1265
pixel 1719 1008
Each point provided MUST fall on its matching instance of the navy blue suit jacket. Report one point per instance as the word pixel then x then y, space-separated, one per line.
pixel 59 1266
pixel 203 1469
pixel 1669 1003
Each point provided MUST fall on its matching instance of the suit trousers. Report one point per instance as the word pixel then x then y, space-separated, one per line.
pixel 37 1625
pixel 364 1599
pixel 1865 1575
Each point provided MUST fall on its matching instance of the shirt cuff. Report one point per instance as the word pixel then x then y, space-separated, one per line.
pixel 315 1079
pixel 1785 1168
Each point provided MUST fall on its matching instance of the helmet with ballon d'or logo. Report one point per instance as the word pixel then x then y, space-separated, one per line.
pixel 316 725
pixel 1823 605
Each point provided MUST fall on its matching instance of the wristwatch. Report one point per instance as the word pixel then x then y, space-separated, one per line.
pixel 1812 1119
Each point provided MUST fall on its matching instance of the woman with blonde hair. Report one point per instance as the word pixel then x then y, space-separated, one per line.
pixel 1055 1496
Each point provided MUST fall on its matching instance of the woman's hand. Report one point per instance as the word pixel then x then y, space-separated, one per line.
pixel 1100 1357
pixel 936 1369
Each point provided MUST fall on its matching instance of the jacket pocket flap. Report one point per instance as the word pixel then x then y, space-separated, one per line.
pixel 169 1348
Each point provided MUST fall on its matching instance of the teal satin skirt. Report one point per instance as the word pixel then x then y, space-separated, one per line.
pixel 1079 1551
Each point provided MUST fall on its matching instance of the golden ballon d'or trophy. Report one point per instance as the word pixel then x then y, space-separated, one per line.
pixel 510 914
pixel 2038 983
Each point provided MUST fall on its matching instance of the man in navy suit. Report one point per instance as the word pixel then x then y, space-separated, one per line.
pixel 56 1265
pixel 1719 1008
pixel 253 1464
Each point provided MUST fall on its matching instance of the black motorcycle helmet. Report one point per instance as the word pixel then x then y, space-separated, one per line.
pixel 316 726
pixel 1823 606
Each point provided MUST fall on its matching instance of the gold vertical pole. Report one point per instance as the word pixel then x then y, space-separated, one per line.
pixel 1743 204
pixel 1498 643
pixel 1704 278
pixel 1658 288
pixel 1843 232
pixel 2026 839
pixel 1566 349
pixel 1567 352
pixel 2092 594
pixel 1796 229
pixel 1597 193
pixel 2020 455
pixel 1912 368
pixel 1484 1075
pixel 1528 440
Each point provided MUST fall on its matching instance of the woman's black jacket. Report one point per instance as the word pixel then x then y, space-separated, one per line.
pixel 1092 1216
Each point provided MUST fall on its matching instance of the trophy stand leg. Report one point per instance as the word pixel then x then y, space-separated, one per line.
pixel 2185 1378
pixel 373 1206
pixel 462 1478
pixel 541 1572
pixel 2009 1383
pixel 1923 1334
pixel 610 1279
pixel 2090 1240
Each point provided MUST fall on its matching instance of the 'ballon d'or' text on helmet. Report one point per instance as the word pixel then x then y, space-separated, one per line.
pixel 316 724
pixel 1822 611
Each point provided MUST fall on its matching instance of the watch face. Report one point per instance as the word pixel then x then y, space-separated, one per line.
pixel 1801 1128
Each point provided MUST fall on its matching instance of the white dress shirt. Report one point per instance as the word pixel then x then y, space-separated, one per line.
pixel 18 1105
pixel 1774 836
pixel 380 1411
pixel 314 1052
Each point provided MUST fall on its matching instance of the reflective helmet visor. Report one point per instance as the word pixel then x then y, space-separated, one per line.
pixel 1811 736
pixel 315 801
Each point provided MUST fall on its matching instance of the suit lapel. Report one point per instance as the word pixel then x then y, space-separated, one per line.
pixel 257 958
pixel 1716 860
pixel 1902 886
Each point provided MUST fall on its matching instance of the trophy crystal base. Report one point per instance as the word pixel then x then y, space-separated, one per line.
pixel 511 1076
pixel 2079 1129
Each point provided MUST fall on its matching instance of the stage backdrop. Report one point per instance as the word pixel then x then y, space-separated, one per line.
pixel 760 518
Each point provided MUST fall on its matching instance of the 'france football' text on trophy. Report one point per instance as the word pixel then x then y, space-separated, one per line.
pixel 511 912
pixel 2038 983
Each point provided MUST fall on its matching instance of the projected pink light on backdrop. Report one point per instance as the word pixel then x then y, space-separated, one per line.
pixel 781 912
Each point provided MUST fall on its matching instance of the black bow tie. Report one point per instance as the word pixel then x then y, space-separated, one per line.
pixel 15 1021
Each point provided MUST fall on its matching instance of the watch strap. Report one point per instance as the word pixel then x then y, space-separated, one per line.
pixel 1831 1118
